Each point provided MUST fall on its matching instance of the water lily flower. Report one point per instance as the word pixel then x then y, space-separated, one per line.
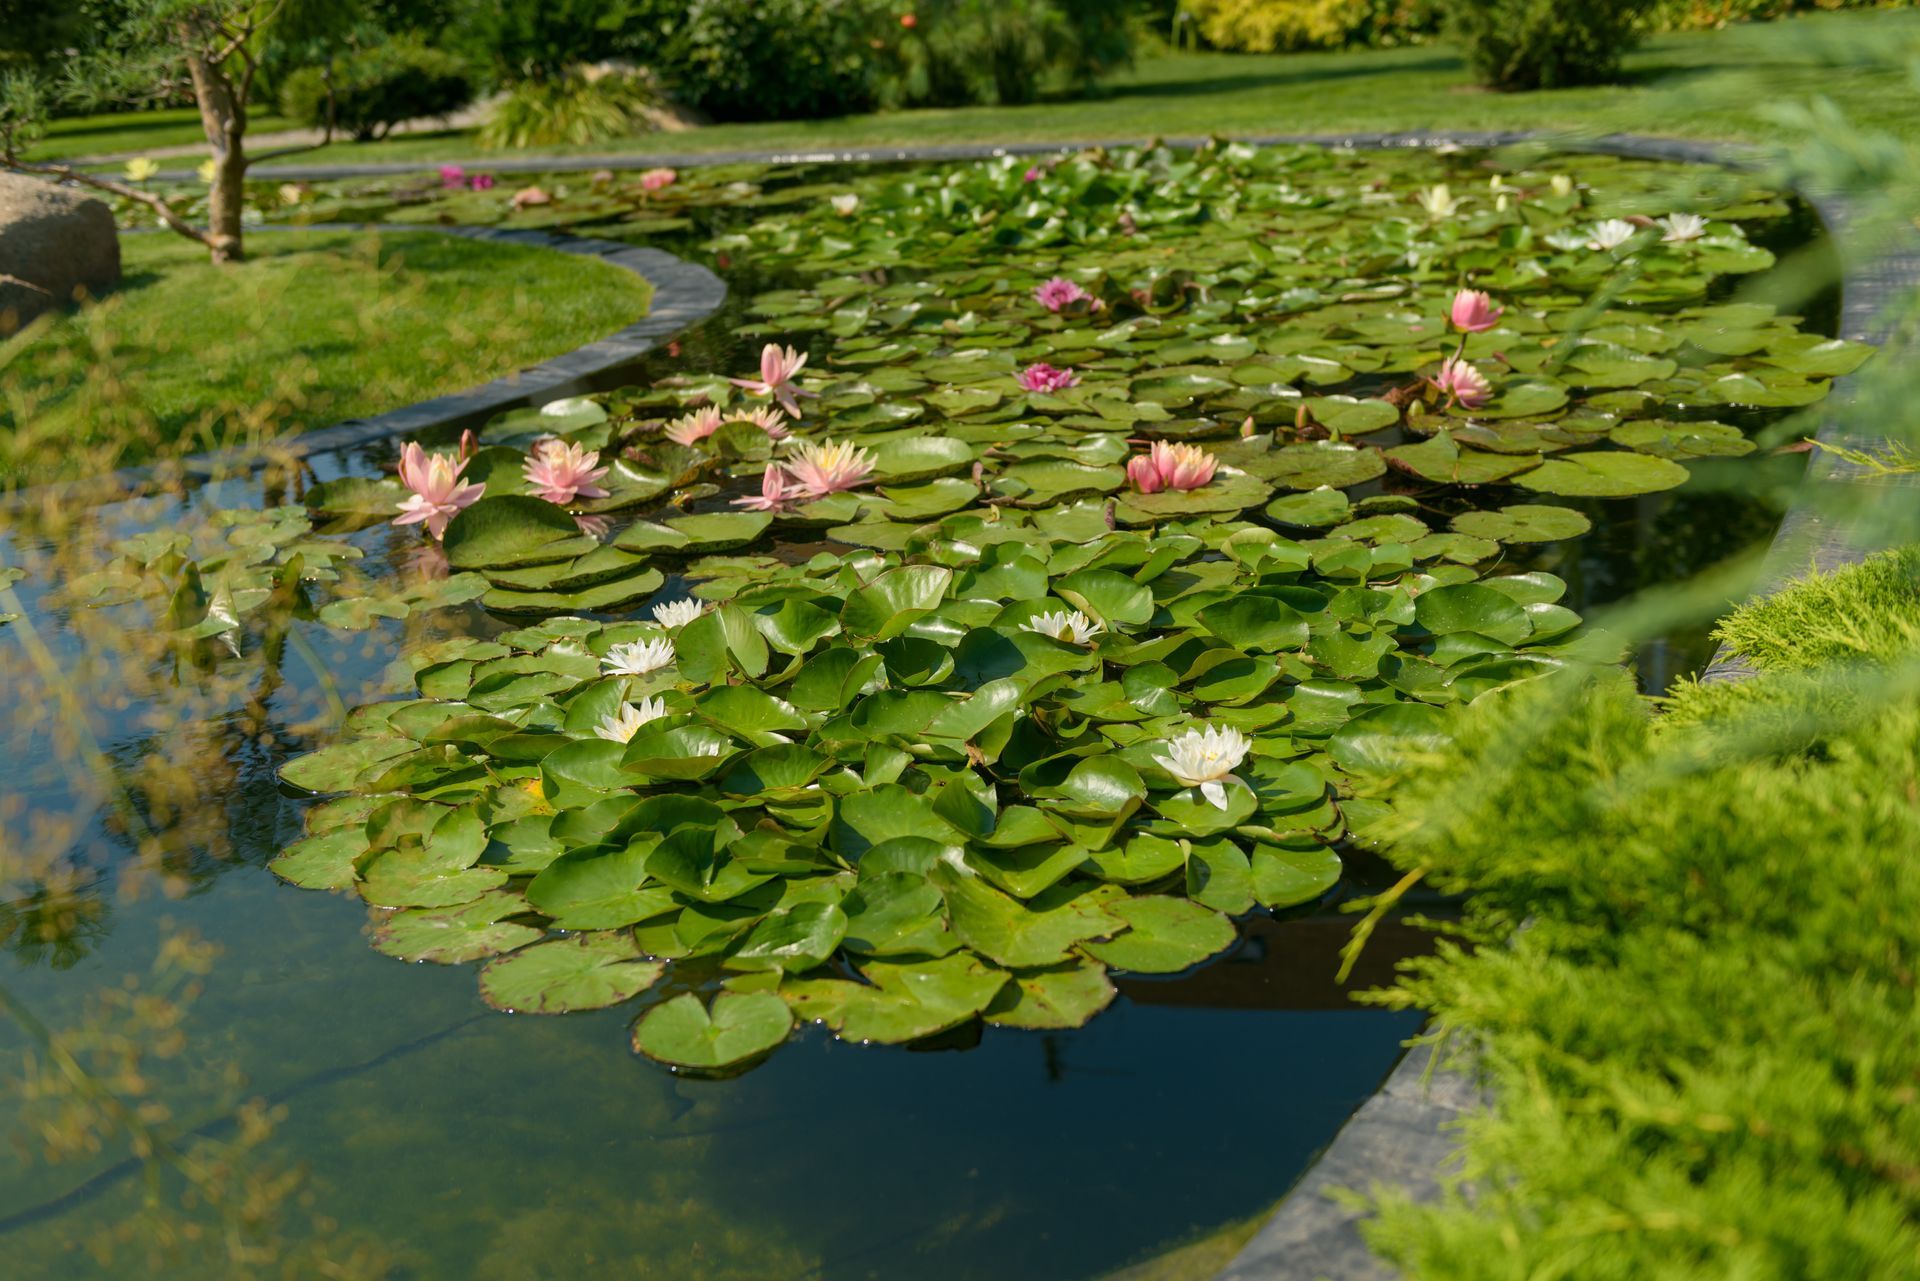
pixel 1069 625
pixel 678 613
pixel 621 726
pixel 767 419
pixel 1561 184
pixel 845 205
pixel 779 366
pixel 696 426
pixel 828 466
pixel 658 179
pixel 293 193
pixel 1035 174
pixel 1611 234
pixel 207 171
pixel 561 471
pixel 1678 228
pixel 1169 466
pixel 1043 377
pixel 776 492
pixel 1462 384
pixel 141 168
pixel 438 492
pixel 1059 293
pixel 452 176
pixel 528 197
pixel 637 658
pixel 481 182
pixel 1473 312
pixel 1437 200
pixel 1206 758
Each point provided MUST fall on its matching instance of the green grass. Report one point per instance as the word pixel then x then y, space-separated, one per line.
pixel 1691 970
pixel 1699 84
pixel 313 328
pixel 112 133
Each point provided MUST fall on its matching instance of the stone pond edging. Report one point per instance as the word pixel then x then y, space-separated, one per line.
pixel 1401 1136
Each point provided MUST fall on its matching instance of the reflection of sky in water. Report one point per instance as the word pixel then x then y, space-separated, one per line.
pixel 481 1146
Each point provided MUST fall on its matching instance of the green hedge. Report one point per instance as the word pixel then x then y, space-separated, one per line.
pixel 1689 961
pixel 377 88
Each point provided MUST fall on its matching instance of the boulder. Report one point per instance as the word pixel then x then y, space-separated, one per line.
pixel 55 245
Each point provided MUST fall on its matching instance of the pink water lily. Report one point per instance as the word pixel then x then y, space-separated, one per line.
pixel 1059 293
pixel 779 366
pixel 561 471
pixel 481 182
pixel 656 179
pixel 438 492
pixel 767 419
pixel 1045 378
pixel 1035 174
pixel 696 426
pixel 1462 384
pixel 776 492
pixel 452 176
pixel 1473 312
pixel 828 467
pixel 1170 466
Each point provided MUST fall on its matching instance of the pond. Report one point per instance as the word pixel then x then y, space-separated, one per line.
pixel 901 937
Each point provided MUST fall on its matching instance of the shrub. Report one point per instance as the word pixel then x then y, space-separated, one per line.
pixel 574 108
pixel 967 52
pixel 1263 26
pixel 1544 44
pixel 378 88
pixel 772 59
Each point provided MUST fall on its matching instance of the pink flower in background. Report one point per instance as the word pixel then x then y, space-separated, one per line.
pixel 1167 466
pixel 561 472
pixel 452 176
pixel 438 492
pixel 767 419
pixel 1463 384
pixel 779 366
pixel 696 426
pixel 775 492
pixel 1473 312
pixel 1045 378
pixel 481 182
pixel 1060 292
pixel 828 467
pixel 528 197
pixel 1034 174
pixel 656 179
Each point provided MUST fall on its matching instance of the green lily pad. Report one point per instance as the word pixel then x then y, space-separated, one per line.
pixel 740 1026
pixel 584 972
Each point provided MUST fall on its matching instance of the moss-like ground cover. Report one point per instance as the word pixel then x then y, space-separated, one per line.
pixel 315 327
pixel 1702 1042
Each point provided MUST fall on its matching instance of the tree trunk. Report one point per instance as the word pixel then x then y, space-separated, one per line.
pixel 224 119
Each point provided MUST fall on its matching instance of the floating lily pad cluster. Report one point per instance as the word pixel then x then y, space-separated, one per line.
pixel 906 756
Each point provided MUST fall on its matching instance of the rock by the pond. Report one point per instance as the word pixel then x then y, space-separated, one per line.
pixel 55 243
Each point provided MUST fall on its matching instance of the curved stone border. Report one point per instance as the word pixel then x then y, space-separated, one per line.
pixel 1400 1136
pixel 684 294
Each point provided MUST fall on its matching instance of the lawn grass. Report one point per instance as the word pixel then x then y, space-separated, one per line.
pixel 1712 84
pixel 115 132
pixel 315 327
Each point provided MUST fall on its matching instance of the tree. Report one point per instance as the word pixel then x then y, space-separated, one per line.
pixel 153 47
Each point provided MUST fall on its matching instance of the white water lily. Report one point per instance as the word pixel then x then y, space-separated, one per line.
pixel 1068 625
pixel 845 205
pixel 1561 185
pixel 621 726
pixel 1437 200
pixel 1611 234
pixel 638 658
pixel 678 613
pixel 1681 227
pixel 1206 758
